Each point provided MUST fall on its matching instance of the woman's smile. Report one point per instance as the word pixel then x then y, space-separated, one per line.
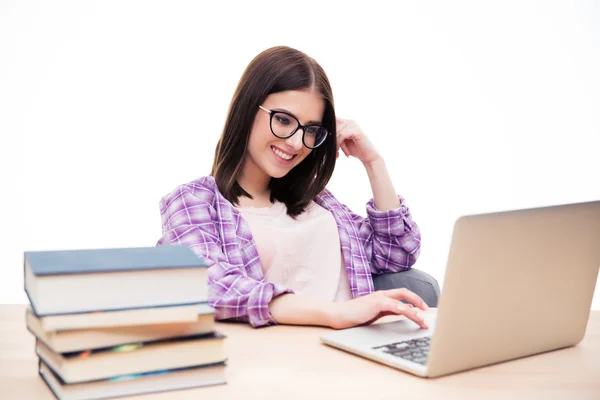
pixel 282 157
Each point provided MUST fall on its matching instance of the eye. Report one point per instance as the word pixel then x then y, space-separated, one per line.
pixel 312 130
pixel 282 119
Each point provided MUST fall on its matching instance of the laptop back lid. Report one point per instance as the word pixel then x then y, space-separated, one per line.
pixel 517 283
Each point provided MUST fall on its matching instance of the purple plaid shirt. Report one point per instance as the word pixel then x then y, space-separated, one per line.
pixel 197 215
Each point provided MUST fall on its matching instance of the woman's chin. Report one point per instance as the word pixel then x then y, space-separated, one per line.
pixel 277 171
pixel 278 174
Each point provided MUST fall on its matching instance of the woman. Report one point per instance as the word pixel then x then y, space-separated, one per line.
pixel 282 249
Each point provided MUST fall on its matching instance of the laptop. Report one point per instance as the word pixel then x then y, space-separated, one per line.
pixel 517 283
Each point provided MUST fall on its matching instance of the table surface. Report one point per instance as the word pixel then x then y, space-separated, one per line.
pixel 290 362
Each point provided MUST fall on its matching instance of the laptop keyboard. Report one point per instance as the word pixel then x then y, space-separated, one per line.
pixel 415 350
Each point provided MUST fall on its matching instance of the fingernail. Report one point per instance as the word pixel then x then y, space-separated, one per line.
pixel 426 306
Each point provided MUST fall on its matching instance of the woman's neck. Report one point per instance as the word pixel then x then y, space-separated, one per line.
pixel 254 181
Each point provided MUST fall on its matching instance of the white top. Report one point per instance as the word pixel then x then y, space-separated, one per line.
pixel 303 254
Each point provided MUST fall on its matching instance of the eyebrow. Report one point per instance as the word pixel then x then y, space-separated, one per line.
pixel 291 113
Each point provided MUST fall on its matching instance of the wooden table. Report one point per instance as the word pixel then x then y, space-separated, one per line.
pixel 287 362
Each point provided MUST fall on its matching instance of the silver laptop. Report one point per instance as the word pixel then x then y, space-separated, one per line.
pixel 517 283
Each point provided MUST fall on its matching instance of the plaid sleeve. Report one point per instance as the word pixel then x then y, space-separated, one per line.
pixel 186 220
pixel 392 239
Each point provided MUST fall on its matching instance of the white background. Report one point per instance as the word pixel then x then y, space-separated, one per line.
pixel 107 106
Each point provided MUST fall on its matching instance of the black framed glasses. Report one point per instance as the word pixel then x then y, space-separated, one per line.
pixel 284 125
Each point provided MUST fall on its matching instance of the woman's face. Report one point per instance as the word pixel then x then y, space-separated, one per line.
pixel 271 155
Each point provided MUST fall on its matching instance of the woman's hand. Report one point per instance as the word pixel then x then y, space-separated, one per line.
pixel 353 141
pixel 367 309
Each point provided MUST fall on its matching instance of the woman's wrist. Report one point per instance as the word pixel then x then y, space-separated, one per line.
pixel 296 309
pixel 332 315
pixel 374 164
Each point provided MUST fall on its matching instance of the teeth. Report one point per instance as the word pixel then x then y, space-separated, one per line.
pixel 282 155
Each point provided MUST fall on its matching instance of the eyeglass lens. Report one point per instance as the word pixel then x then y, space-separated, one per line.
pixel 284 125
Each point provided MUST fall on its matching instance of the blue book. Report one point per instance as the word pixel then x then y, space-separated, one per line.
pixel 89 280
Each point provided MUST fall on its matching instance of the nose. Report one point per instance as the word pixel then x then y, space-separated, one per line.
pixel 295 142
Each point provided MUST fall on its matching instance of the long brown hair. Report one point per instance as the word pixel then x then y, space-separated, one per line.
pixel 275 70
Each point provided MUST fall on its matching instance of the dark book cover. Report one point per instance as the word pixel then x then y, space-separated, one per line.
pixel 135 346
pixel 127 377
pixel 132 376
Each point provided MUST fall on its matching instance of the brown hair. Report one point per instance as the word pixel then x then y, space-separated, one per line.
pixel 275 70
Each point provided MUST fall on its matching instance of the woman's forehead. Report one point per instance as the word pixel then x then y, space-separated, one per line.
pixel 305 105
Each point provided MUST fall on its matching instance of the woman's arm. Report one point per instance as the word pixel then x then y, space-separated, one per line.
pixel 234 295
pixel 384 194
pixel 296 309
pixel 391 242
pixel 392 239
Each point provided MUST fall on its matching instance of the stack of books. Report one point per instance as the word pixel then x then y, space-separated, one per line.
pixel 122 321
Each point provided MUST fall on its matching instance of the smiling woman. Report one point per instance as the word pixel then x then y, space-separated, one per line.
pixel 282 248
pixel 278 141
pixel 281 89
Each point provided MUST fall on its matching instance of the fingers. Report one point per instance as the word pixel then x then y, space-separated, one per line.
pixel 341 145
pixel 413 314
pixel 347 134
pixel 405 294
pixel 342 130
pixel 389 305
pixel 344 148
pixel 339 124
pixel 398 308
